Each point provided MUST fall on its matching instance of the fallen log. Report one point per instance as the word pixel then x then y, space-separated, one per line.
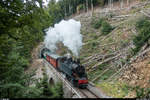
pixel 139 55
pixel 122 17
pixel 107 60
pixel 117 72
pixel 101 74
pixel 132 60
pixel 112 32
pixel 100 57
pixel 91 60
pixel 107 44
pixel 145 13
pixel 90 57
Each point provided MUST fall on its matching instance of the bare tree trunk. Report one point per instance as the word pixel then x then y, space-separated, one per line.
pixel 87 5
pixel 65 10
pixel 121 4
pixel 69 8
pixel 112 3
pixel 109 3
pixel 92 7
pixel 127 2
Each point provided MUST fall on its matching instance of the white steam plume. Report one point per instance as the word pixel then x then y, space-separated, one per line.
pixel 67 32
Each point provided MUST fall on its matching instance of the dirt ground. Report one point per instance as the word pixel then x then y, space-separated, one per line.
pixel 139 73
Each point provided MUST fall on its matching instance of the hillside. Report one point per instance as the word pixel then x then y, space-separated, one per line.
pixel 114 36
pixel 108 58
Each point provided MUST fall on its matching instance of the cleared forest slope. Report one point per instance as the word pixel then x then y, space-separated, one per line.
pixel 108 57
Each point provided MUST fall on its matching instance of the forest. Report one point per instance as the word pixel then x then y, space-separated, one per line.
pixel 22 27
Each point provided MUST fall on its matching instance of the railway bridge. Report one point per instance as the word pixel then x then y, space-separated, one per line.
pixel 69 91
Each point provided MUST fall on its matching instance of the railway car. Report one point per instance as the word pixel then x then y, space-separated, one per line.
pixel 73 71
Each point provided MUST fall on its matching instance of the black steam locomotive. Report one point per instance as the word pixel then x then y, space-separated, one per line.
pixel 74 72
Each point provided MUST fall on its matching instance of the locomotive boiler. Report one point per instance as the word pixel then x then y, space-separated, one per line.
pixel 73 70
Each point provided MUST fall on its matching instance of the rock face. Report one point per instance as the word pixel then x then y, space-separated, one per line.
pixel 36 64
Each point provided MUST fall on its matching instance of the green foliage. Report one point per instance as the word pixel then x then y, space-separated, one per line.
pixel 107 75
pixel 97 23
pixel 101 2
pixel 93 44
pixel 55 11
pixel 106 28
pixel 143 0
pixel 115 89
pixel 19 88
pixel 22 27
pixel 46 89
pixel 57 90
pixel 143 28
pixel 80 7
pixel 141 92
pixel 103 66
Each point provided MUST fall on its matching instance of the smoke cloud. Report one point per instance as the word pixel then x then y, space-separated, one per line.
pixel 67 32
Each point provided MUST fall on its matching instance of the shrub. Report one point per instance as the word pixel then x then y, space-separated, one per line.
pixel 97 23
pixel 106 28
pixel 80 7
pixel 58 90
pixel 142 92
pixel 101 2
pixel 143 28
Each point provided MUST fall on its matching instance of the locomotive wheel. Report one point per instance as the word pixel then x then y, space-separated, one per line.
pixel 68 77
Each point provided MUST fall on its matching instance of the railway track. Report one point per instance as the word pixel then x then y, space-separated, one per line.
pixel 88 94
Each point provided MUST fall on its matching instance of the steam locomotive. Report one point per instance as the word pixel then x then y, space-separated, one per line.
pixel 73 71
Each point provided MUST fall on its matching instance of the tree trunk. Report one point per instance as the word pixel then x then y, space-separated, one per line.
pixel 87 5
pixel 69 8
pixel 127 2
pixel 65 11
pixel 92 7
pixel 112 3
pixel 121 4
